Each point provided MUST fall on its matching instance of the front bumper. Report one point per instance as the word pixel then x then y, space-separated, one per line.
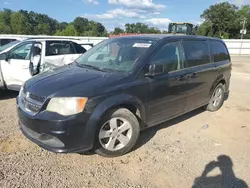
pixel 60 135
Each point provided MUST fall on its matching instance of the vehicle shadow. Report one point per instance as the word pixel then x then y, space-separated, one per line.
pixel 226 179
pixel 7 94
pixel 148 134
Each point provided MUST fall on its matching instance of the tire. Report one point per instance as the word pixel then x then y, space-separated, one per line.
pixel 212 105
pixel 124 120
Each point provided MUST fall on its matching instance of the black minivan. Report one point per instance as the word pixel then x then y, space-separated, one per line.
pixel 121 86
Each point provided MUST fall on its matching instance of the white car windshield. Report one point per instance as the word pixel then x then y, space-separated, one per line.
pixel 119 54
pixel 6 46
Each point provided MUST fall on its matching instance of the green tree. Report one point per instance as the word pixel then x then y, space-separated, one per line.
pixel 219 19
pixel 81 25
pixel 31 23
pixel 118 31
pixel 154 30
pixel 61 26
pixel 20 23
pixel 68 31
pixel 5 26
pixel 242 13
pixel 140 28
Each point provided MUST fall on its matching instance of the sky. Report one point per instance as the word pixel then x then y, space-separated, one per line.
pixel 116 13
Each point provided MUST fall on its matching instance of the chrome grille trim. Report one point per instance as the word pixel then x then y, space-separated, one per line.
pixel 30 103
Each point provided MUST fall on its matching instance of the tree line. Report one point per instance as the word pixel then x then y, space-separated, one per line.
pixel 222 20
pixel 24 22
pixel 225 20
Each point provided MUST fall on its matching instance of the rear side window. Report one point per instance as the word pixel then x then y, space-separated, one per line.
pixel 219 50
pixel 196 53
pixel 79 49
pixel 59 48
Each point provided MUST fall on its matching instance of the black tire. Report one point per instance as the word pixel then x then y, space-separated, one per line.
pixel 211 107
pixel 131 118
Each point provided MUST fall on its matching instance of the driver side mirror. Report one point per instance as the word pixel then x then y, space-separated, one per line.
pixel 4 56
pixel 155 70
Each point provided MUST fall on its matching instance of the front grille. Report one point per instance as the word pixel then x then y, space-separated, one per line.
pixel 30 102
pixel 37 98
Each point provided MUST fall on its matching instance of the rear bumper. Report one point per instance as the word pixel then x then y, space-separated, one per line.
pixel 60 136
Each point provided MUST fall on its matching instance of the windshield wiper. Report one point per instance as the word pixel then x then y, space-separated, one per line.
pixel 90 66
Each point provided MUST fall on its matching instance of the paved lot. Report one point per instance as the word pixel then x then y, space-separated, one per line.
pixel 202 147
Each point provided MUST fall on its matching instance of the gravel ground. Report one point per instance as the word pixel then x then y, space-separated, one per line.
pixel 200 148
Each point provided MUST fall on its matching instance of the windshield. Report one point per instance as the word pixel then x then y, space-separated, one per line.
pixel 120 54
pixel 4 47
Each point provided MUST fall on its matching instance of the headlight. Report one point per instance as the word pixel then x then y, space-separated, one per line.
pixel 67 105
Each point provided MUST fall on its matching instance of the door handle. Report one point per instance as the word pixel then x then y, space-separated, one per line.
pixel 182 78
pixel 194 75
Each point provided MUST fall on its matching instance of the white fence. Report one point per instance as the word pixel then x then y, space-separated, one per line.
pixel 235 46
pixel 238 47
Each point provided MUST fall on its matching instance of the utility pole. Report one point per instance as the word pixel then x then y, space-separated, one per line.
pixel 243 31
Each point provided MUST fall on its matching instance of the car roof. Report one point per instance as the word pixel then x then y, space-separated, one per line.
pixel 162 36
pixel 50 39
pixel 10 37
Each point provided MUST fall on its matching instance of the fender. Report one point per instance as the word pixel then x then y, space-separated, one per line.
pixel 103 107
pixel 219 78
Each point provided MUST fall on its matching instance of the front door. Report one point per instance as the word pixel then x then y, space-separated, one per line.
pixel 15 68
pixel 167 92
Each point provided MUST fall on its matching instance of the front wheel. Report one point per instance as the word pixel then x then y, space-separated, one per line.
pixel 217 98
pixel 118 133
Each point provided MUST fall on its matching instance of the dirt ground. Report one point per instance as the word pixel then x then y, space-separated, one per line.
pixel 199 149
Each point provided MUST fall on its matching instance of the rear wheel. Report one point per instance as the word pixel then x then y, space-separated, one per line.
pixel 118 133
pixel 217 98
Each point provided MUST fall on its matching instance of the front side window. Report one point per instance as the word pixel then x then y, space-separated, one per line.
pixel 120 54
pixel 21 52
pixel 219 50
pixel 169 56
pixel 196 53
pixel 4 47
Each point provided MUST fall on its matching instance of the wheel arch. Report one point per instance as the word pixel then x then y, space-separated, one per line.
pixel 220 80
pixel 132 103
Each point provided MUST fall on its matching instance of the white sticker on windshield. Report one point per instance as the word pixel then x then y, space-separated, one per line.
pixel 142 45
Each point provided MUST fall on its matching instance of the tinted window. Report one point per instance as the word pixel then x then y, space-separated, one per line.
pixel 5 41
pixel 169 56
pixel 59 48
pixel 196 53
pixel 79 49
pixel 67 48
pixel 219 50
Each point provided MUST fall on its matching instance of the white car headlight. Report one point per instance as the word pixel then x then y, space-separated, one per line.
pixel 67 105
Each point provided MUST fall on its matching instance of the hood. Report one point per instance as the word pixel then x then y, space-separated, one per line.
pixel 64 78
